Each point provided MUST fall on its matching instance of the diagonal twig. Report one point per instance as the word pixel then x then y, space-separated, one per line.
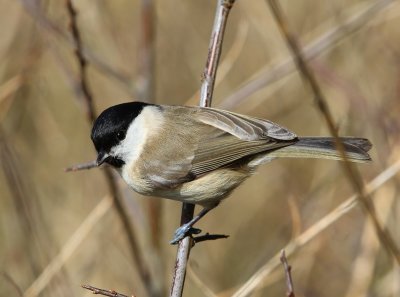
pixel 35 10
pixel 69 248
pixel 352 174
pixel 82 75
pixel 365 264
pixel 312 50
pixel 109 293
pixel 294 245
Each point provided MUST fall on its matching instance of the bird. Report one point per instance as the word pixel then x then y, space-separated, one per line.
pixel 199 155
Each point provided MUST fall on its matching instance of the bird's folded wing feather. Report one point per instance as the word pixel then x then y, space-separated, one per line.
pixel 244 136
pixel 222 138
pixel 244 127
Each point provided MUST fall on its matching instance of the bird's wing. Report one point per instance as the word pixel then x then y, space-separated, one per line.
pixel 217 139
pixel 244 127
pixel 237 136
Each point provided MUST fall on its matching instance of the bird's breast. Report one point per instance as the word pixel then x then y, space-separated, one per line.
pixel 205 190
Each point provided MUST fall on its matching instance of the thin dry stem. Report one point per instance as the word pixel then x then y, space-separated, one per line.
pixel 27 207
pixel 35 10
pixel 214 51
pixel 293 246
pixel 82 166
pixel 365 262
pixel 288 275
pixel 229 60
pixel 207 87
pixel 321 102
pixel 200 283
pixel 7 89
pixel 82 76
pixel 112 185
pixel 109 293
pixel 80 234
pixel 129 231
pixel 10 87
pixel 321 44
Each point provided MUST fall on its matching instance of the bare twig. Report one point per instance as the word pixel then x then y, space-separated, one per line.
pixel 82 77
pixel 293 246
pixel 35 10
pixel 321 102
pixel 230 58
pixel 28 210
pixel 110 293
pixel 207 87
pixel 7 89
pixel 82 166
pixel 364 265
pixel 182 256
pixel 69 248
pixel 129 232
pixel 208 236
pixel 214 51
pixel 288 275
pixel 203 287
pixel 112 185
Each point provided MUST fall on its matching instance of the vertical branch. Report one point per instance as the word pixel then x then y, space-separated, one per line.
pixel 214 51
pixel 182 255
pixel 112 185
pixel 352 174
pixel 206 92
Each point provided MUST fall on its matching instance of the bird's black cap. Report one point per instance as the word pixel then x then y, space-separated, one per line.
pixel 111 125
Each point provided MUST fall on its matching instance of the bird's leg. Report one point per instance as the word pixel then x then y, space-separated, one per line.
pixel 186 229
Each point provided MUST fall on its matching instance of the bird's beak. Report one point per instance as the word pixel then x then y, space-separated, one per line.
pixel 101 158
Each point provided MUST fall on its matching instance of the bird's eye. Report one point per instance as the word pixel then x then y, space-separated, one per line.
pixel 121 135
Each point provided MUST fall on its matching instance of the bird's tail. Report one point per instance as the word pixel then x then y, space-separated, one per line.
pixel 356 149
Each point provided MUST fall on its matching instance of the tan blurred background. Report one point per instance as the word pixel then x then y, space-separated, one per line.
pixel 44 129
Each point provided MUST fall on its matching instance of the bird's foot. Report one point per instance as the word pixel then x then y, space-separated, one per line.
pixel 183 231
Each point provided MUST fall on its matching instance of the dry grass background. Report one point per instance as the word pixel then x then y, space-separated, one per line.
pixel 44 129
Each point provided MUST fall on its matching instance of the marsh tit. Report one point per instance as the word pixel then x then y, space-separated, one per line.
pixel 200 155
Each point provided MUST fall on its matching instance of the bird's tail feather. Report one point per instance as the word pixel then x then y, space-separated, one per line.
pixel 356 149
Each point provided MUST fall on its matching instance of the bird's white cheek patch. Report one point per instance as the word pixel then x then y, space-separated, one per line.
pixel 148 122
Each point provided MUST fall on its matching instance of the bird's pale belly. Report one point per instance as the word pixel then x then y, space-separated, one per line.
pixel 206 190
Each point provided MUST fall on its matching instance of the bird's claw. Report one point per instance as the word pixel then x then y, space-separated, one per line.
pixel 182 232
